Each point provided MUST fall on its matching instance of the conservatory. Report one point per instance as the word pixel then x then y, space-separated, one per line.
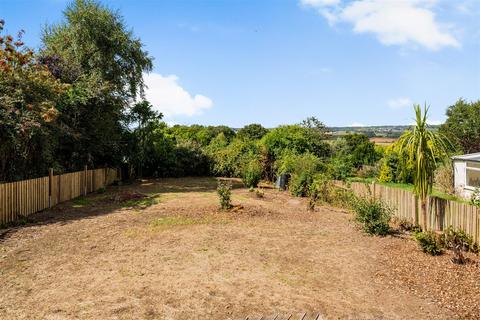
pixel 466 172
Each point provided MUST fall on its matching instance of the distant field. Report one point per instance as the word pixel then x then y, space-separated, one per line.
pixel 383 141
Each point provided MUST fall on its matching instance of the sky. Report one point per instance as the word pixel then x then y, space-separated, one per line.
pixel 348 63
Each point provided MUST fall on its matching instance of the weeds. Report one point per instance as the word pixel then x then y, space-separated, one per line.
pixel 81 202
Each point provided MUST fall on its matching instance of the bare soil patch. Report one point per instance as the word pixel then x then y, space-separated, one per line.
pixel 171 254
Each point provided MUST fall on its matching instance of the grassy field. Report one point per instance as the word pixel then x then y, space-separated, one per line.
pixel 161 249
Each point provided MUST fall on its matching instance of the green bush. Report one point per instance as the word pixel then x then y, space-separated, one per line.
pixel 224 191
pixel 374 215
pixel 475 198
pixel 459 238
pixel 302 170
pixel 429 242
pixel 252 173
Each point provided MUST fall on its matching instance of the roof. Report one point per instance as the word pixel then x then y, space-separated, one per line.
pixel 468 157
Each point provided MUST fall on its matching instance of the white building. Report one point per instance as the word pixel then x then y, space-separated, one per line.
pixel 466 174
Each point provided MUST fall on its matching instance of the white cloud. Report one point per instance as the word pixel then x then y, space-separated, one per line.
pixel 399 103
pixel 393 22
pixel 168 97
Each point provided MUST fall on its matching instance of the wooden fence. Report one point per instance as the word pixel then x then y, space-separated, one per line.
pixel 441 213
pixel 23 198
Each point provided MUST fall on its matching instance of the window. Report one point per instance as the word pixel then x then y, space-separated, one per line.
pixel 471 164
pixel 473 174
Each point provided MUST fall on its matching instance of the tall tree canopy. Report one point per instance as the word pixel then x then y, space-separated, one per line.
pixel 463 125
pixel 94 52
pixel 29 96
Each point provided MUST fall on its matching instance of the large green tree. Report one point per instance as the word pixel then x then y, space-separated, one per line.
pixel 462 126
pixel 94 52
pixel 423 148
pixel 29 97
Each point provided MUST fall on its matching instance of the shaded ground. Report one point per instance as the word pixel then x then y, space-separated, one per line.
pixel 173 255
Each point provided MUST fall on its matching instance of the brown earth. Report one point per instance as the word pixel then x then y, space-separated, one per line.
pixel 121 256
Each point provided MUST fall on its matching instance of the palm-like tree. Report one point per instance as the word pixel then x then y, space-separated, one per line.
pixel 423 148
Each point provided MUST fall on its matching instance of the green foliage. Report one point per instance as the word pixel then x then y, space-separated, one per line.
pixel 458 238
pixel 360 150
pixel 429 242
pixel 302 169
pixel 374 215
pixel 422 147
pixel 295 138
pixel 252 131
pixel 224 191
pixel 29 98
pixel 461 126
pixel 228 160
pixel 475 198
pixel 252 173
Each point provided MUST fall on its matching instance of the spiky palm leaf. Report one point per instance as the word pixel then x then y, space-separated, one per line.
pixel 423 148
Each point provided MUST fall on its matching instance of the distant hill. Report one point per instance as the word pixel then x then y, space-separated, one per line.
pixel 390 131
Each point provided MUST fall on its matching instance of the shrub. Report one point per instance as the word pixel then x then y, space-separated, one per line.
pixel 444 179
pixel 457 237
pixel 302 169
pixel 373 214
pixel 429 242
pixel 224 190
pixel 475 198
pixel 252 173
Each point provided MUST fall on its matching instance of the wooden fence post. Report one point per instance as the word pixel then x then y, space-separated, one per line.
pixel 50 186
pixel 85 172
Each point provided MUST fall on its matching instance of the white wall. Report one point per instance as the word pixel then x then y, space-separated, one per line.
pixel 459 167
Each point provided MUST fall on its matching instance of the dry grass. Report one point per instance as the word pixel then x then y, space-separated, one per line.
pixel 180 257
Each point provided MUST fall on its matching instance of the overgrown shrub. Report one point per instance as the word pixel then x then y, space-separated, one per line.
pixel 302 169
pixel 459 239
pixel 475 198
pixel 224 191
pixel 444 179
pixel 374 215
pixel 429 242
pixel 252 173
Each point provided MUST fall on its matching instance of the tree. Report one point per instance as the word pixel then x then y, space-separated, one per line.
pixel 360 150
pixel 462 126
pixel 423 148
pixel 29 96
pixel 94 52
pixel 252 131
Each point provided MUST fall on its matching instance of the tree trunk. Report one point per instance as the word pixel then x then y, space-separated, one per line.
pixel 424 213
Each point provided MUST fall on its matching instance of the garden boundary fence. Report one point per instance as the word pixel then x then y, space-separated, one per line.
pixel 23 198
pixel 441 213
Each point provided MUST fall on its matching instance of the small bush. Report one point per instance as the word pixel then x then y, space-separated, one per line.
pixel 374 215
pixel 102 190
pixel 224 191
pixel 252 174
pixel 259 193
pixel 456 237
pixel 404 224
pixel 475 198
pixel 429 242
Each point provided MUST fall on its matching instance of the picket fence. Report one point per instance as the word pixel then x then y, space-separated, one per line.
pixel 441 213
pixel 23 198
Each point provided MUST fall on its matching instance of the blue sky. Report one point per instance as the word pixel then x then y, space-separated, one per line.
pixel 278 61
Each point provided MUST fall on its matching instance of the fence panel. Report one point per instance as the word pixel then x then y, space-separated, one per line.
pixel 23 198
pixel 441 213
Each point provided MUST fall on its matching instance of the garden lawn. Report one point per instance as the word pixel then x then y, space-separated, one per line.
pixel 174 255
